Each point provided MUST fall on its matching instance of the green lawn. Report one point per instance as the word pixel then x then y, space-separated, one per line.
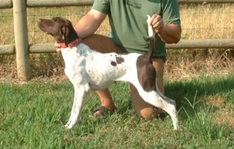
pixel 33 115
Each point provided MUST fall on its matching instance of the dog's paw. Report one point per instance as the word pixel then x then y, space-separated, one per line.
pixel 69 125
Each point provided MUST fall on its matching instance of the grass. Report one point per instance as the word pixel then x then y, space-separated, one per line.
pixel 207 21
pixel 33 116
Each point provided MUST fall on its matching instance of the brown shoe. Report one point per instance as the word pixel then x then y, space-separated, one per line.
pixel 101 111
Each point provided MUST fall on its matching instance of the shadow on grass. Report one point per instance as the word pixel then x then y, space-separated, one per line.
pixel 191 95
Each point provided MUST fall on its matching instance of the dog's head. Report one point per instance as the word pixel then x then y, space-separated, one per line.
pixel 60 28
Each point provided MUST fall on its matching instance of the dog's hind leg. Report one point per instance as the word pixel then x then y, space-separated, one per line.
pixel 164 103
pixel 170 108
pixel 157 99
pixel 77 104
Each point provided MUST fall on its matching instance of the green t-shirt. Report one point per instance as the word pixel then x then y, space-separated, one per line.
pixel 128 22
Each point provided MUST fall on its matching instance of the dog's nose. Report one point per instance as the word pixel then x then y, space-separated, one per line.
pixel 41 20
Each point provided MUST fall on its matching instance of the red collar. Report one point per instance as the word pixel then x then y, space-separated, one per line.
pixel 71 44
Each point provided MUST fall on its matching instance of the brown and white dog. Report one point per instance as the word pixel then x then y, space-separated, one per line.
pixel 88 69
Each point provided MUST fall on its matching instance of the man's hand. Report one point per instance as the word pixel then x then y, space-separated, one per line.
pixel 169 33
pixel 57 46
pixel 157 23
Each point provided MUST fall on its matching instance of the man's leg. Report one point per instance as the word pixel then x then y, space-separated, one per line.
pixel 103 44
pixel 144 109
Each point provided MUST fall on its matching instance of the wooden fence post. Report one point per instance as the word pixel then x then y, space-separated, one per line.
pixel 21 39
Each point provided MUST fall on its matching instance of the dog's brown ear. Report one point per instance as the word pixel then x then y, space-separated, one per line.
pixel 65 32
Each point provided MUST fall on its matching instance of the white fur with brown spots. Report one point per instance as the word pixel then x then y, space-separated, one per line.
pixel 88 69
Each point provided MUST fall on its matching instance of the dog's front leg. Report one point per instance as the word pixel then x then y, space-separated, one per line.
pixel 77 103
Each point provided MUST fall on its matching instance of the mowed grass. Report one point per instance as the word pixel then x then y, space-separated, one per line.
pixel 33 115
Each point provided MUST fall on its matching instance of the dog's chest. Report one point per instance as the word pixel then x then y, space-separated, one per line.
pixel 74 63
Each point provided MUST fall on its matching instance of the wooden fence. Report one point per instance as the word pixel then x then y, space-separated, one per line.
pixel 22 47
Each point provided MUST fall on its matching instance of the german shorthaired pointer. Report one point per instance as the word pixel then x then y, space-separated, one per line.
pixel 88 69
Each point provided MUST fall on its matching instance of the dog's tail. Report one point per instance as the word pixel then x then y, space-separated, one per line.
pixel 151 39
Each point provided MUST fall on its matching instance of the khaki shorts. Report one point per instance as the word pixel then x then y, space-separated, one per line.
pixel 105 44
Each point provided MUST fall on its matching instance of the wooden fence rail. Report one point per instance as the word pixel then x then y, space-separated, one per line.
pixel 183 44
pixel 22 49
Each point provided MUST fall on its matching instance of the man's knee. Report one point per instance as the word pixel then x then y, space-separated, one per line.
pixel 149 113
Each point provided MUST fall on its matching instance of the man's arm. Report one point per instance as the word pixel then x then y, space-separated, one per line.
pixel 89 23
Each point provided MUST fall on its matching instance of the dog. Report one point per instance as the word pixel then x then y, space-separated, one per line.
pixel 88 69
